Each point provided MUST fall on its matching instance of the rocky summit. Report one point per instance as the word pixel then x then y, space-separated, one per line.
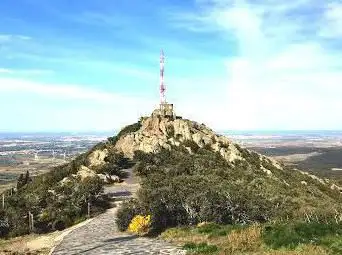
pixel 155 133
pixel 158 132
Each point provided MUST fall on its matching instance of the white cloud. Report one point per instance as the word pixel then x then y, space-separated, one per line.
pixel 331 26
pixel 5 71
pixel 283 76
pixel 68 107
pixel 25 71
pixel 63 91
pixel 5 38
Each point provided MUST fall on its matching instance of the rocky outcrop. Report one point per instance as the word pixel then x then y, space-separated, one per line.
pixel 109 179
pixel 84 172
pixel 157 133
pixel 96 158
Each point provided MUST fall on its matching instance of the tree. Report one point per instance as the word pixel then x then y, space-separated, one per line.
pixel 27 178
pixel 115 163
pixel 20 182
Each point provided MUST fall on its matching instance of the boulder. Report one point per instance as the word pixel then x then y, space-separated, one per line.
pixel 104 178
pixel 96 158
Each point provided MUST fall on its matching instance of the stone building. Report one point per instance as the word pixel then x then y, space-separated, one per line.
pixel 165 110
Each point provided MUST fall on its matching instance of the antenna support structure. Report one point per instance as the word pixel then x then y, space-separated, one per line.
pixel 165 108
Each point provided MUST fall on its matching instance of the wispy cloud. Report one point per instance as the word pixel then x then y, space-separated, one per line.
pixel 5 71
pixel 65 91
pixel 74 107
pixel 5 38
pixel 101 19
pixel 331 26
pixel 25 71
pixel 282 75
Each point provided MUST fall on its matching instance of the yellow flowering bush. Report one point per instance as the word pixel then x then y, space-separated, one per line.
pixel 140 224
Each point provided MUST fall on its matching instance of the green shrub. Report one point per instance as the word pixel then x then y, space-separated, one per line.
pixel 224 145
pixel 192 145
pixel 170 130
pixel 4 228
pixel 126 213
pixel 207 147
pixel 202 248
pixel 208 228
pixel 215 230
pixel 179 188
pixel 51 203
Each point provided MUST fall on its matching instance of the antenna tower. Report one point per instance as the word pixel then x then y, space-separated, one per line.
pixel 162 85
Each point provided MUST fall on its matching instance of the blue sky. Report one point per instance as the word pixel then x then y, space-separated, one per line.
pixel 94 65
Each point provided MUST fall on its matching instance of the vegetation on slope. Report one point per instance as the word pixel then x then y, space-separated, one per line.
pixel 53 205
pixel 180 189
pixel 59 198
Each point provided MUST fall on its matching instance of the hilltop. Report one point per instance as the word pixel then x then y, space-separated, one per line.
pixel 171 151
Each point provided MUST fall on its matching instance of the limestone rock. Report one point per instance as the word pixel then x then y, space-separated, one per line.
pixel 335 187
pixel 157 133
pixel 96 158
pixel 65 180
pixel 314 177
pixel 105 179
pixel 84 172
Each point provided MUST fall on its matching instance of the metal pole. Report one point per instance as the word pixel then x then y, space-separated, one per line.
pixel 32 222
pixel 88 209
pixel 29 216
pixel 3 201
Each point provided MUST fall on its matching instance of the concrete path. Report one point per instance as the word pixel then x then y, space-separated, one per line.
pixel 100 236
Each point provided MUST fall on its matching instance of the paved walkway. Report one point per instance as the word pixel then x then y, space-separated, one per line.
pixel 100 236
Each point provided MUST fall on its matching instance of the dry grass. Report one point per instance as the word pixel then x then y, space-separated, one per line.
pixel 29 244
pixel 19 245
pixel 242 240
pixel 245 241
pixel 182 236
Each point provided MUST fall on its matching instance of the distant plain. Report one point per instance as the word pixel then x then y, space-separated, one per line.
pixel 319 152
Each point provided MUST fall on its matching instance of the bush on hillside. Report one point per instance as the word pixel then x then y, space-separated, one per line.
pixel 179 188
pixel 51 202
pixel 126 213
pixel 4 228
pixel 192 145
pixel 140 225
pixel 115 163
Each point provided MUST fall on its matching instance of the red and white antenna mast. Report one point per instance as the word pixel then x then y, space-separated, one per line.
pixel 162 85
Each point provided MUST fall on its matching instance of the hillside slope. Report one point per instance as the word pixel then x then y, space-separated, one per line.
pixel 189 168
